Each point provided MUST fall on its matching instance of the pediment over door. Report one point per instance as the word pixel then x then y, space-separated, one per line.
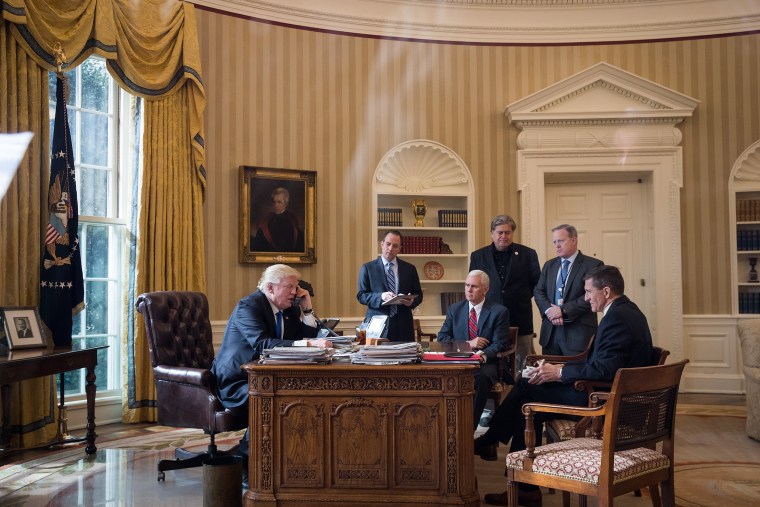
pixel 602 106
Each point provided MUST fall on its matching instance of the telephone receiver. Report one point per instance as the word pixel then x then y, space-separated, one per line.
pixel 305 286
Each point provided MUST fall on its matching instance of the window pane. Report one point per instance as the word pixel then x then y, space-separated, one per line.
pixel 72 116
pixel 95 84
pixel 96 252
pixel 101 370
pixel 77 327
pixel 92 188
pixel 96 296
pixel 53 86
pixel 94 139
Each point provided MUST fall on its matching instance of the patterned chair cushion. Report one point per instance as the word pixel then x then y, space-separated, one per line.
pixel 580 458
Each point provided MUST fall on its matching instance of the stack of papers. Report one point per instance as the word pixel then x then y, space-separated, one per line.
pixel 296 355
pixel 396 353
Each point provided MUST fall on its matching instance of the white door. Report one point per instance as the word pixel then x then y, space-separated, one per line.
pixel 613 221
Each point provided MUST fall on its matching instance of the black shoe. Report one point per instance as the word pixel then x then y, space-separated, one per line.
pixel 525 498
pixel 486 452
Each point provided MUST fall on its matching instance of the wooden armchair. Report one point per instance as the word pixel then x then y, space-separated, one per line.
pixel 506 370
pixel 419 335
pixel 639 413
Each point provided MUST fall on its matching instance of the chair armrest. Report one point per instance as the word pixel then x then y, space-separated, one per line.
pixel 591 385
pixel 533 358
pixel 194 376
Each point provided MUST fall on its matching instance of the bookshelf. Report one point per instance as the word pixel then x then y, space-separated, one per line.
pixel 426 171
pixel 746 248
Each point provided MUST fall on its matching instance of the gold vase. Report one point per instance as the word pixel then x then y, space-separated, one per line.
pixel 419 209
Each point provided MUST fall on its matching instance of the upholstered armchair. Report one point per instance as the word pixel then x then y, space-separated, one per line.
pixel 181 352
pixel 749 336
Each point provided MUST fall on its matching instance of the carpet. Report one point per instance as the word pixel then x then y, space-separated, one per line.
pixel 57 478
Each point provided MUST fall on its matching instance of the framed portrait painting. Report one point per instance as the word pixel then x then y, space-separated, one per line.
pixel 277 215
pixel 23 327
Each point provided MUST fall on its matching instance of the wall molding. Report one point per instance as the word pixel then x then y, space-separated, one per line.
pixel 505 21
pixel 711 343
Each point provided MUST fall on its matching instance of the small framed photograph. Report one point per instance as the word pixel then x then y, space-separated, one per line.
pixel 23 327
pixel 277 215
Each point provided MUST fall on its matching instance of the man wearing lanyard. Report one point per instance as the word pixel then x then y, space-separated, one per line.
pixel 567 321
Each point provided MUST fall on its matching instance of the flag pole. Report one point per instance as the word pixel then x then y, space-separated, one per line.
pixel 62 437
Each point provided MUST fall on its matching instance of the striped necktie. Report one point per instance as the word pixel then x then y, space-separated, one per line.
pixel 390 280
pixel 473 324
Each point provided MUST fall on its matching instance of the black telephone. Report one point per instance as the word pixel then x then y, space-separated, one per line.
pixel 305 286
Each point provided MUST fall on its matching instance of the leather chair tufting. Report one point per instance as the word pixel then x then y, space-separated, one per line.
pixel 181 352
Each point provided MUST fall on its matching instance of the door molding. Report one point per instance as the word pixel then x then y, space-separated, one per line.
pixel 607 121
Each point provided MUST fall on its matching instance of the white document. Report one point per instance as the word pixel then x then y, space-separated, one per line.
pixel 12 149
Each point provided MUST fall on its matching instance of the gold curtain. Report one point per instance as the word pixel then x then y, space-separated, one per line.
pixel 23 107
pixel 151 48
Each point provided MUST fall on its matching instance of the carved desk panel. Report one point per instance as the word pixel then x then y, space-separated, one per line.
pixel 361 435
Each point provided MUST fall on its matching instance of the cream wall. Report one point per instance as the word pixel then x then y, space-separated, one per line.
pixel 283 97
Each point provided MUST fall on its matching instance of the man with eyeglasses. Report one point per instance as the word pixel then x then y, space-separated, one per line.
pixel 567 321
pixel 270 317
pixel 622 340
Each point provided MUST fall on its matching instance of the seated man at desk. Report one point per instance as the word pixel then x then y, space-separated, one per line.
pixel 484 325
pixel 278 314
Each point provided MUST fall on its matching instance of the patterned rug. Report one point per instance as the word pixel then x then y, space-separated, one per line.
pixel 46 480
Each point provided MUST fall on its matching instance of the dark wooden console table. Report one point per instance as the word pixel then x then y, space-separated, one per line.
pixel 346 435
pixel 27 364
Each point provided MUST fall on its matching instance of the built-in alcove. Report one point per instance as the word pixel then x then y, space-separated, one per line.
pixel 582 140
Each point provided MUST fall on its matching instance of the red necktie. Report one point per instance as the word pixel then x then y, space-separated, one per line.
pixel 473 325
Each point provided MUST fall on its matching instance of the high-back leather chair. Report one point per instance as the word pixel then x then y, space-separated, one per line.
pixel 181 352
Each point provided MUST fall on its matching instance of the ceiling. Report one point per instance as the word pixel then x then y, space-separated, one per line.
pixel 507 21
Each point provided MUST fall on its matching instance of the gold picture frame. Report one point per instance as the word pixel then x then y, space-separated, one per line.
pixel 277 215
pixel 23 327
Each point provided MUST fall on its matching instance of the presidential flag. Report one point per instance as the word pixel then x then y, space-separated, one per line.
pixel 61 283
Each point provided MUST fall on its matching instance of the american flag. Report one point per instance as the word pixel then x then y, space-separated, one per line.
pixel 61 281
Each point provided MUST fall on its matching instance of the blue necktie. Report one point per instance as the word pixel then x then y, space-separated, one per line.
pixel 279 325
pixel 390 280
pixel 558 296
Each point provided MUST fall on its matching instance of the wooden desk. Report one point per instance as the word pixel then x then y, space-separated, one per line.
pixel 27 364
pixel 361 435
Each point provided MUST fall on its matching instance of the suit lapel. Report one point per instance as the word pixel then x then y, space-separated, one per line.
pixel 575 268
pixel 484 313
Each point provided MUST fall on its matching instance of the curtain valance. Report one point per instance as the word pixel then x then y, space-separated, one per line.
pixel 151 46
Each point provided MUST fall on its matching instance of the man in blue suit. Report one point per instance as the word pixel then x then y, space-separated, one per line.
pixel 622 340
pixel 484 325
pixel 567 321
pixel 384 278
pixel 270 317
pixel 514 272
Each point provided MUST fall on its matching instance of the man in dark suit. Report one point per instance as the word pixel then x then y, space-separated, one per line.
pixel 22 327
pixel 382 279
pixel 265 319
pixel 488 335
pixel 514 272
pixel 567 321
pixel 622 340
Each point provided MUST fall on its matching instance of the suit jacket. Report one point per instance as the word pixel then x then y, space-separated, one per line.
pixel 622 340
pixel 517 290
pixel 251 329
pixel 493 324
pixel 372 284
pixel 573 336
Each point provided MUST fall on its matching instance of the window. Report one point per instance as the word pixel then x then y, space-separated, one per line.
pixel 93 113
